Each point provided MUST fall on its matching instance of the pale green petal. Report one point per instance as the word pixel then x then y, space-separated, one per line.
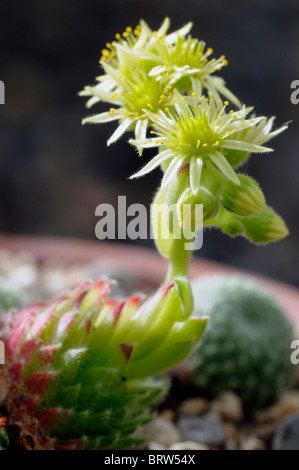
pixel 195 173
pixel 120 131
pixel 154 163
pixel 171 38
pixel 245 146
pixel 103 117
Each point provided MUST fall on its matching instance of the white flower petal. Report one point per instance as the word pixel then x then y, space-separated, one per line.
pixel 171 38
pixel 154 163
pixel 245 146
pixel 103 117
pixel 220 161
pixel 195 173
pixel 163 28
pixel 196 86
pixel 146 143
pixel 140 131
pixel 171 171
pixel 119 131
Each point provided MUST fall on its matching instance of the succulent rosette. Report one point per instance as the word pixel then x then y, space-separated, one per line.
pixel 79 369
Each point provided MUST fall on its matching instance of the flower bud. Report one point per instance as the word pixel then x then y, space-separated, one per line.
pixel 160 224
pixel 265 227
pixel 244 199
pixel 195 208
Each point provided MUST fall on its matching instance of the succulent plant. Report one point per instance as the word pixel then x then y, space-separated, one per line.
pixel 246 347
pixel 79 369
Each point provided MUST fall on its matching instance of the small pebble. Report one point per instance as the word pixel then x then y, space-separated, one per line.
pixel 194 406
pixel 188 445
pixel 252 443
pixel 288 404
pixel 163 431
pixel 167 414
pixel 287 436
pixel 202 429
pixel 229 407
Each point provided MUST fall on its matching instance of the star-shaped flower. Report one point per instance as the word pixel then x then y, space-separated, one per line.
pixel 202 132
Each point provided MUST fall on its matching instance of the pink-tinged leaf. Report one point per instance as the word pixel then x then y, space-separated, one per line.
pixel 117 311
pixel 65 322
pixel 25 317
pixel 15 371
pixel 29 347
pixel 167 288
pixel 47 354
pixel 105 292
pixel 134 301
pixel 12 343
pixel 126 349
pixel 47 418
pixel 37 383
pixel 41 321
pixel 81 289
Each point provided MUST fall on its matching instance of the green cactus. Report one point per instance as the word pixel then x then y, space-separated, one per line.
pixel 246 347
pixel 80 368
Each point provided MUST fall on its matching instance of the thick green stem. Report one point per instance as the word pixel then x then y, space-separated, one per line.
pixel 179 259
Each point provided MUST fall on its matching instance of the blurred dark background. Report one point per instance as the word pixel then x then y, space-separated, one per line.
pixel 54 172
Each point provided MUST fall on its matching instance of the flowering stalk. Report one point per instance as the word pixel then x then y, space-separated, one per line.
pixel 163 87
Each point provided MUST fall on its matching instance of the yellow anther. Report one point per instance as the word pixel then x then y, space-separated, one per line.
pixel 205 145
pixel 136 32
pixel 226 103
pixel 225 62
pixel 173 102
pixel 213 60
pixel 217 143
pixel 129 29
pixel 212 96
pixel 108 45
pixel 171 94
pixel 154 125
pixel 162 97
pixel 229 132
pixel 219 68
pixel 193 94
pixel 162 142
pixel 144 116
pixel 205 61
pixel 118 36
pixel 184 100
pixel 114 95
pixel 105 52
pixel 112 110
pixel 203 97
pixel 140 61
pixel 125 34
pixel 157 142
pixel 222 57
pixel 155 118
pixel 155 33
pixel 167 109
pixel 232 111
pixel 234 116
pixel 138 26
pixel 149 105
pixel 200 54
pixel 235 130
pixel 198 142
pixel 168 70
pixel 126 113
pixel 180 143
pixel 173 146
pixel 210 50
pixel 169 87
pixel 219 101
pixel 153 132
